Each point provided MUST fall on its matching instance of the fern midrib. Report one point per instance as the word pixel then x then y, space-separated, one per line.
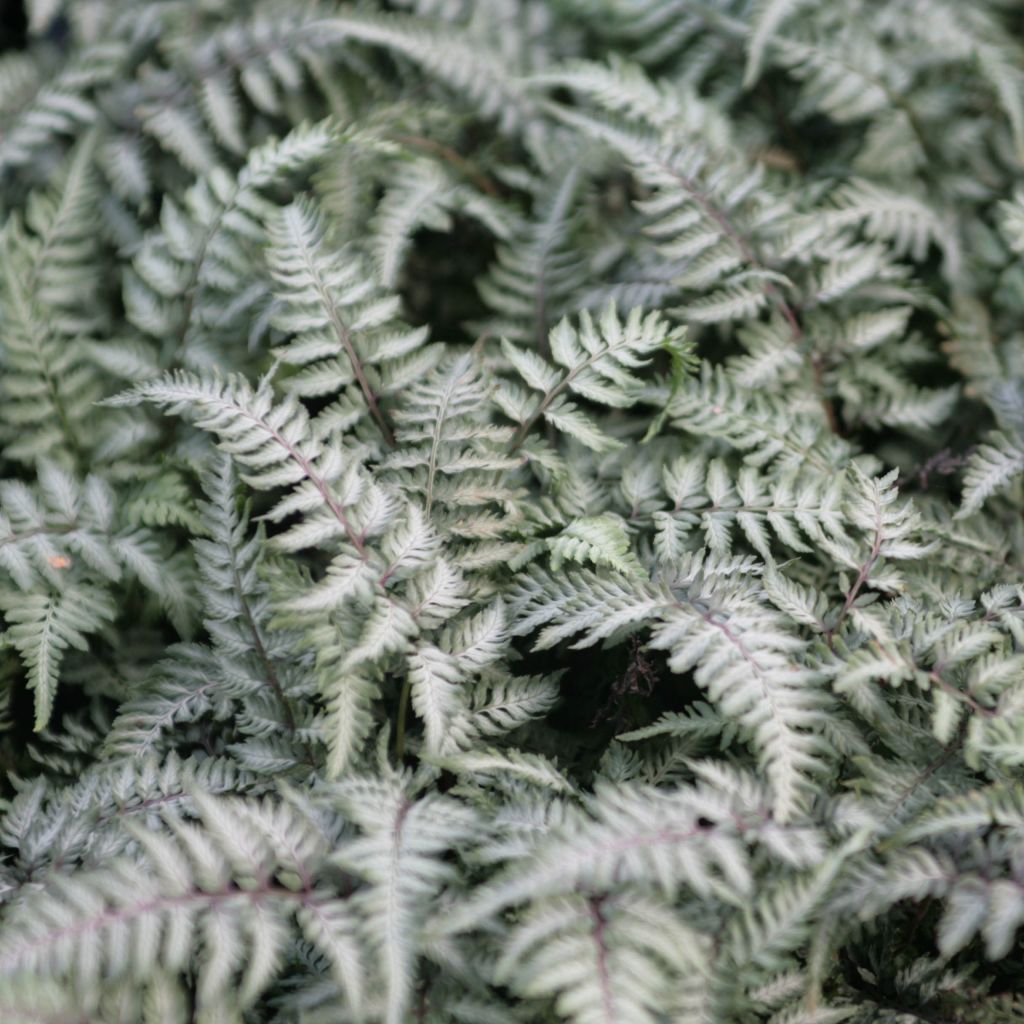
pixel 862 575
pixel 269 672
pixel 192 285
pixel 47 531
pixel 818 511
pixel 548 239
pixel 397 937
pixel 304 464
pixel 598 925
pixel 555 392
pixel 71 436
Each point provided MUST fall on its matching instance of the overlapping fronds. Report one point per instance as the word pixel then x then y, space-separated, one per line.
pixel 511 512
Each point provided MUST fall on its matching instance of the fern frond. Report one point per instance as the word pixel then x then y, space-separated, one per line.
pixel 739 648
pixel 447 56
pixel 190 275
pixel 342 330
pixel 766 429
pixel 537 276
pixel 273 442
pixel 399 856
pixel 595 362
pixel 991 467
pixel 238 886
pixel 767 18
pixel 452 457
pixel 796 509
pixel 41 627
pixel 50 279
pixel 62 106
pixel 603 958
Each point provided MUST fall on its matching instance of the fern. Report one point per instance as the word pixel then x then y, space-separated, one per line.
pixel 609 939
pixel 197 251
pixel 342 332
pixel 511 512
pixel 536 277
pixel 190 881
pixel 594 364
pixel 398 855
pixel 50 280
pixel 43 627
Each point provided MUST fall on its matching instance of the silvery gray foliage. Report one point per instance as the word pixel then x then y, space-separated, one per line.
pixel 511 511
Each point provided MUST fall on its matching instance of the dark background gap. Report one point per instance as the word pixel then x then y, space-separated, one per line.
pixel 13 25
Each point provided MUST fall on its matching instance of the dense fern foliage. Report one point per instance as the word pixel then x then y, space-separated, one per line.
pixel 511 510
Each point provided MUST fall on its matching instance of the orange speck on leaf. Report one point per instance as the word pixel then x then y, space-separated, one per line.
pixel 59 561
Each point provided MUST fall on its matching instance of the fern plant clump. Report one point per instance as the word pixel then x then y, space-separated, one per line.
pixel 511 511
